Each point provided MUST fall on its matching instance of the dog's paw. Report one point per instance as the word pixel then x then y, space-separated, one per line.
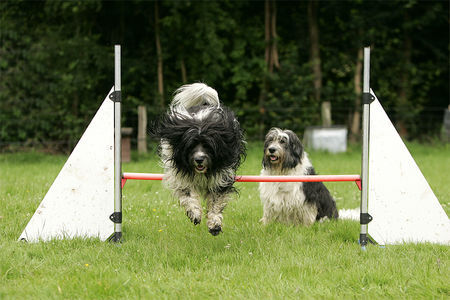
pixel 214 224
pixel 195 215
pixel 215 230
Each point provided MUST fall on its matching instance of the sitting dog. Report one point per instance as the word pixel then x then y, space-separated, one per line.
pixel 201 146
pixel 292 202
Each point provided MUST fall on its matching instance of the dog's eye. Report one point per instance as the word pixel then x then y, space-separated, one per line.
pixel 282 141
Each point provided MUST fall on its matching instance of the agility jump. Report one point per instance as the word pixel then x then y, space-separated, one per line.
pixel 258 178
pixel 85 200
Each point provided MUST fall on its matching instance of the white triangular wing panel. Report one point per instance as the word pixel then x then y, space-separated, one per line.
pixel 401 202
pixel 81 199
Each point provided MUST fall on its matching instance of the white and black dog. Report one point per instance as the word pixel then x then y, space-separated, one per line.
pixel 201 147
pixel 292 202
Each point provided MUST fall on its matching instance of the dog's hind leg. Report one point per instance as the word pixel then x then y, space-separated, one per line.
pixel 191 203
pixel 216 203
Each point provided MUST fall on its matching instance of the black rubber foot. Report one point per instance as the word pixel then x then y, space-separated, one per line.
pixel 116 237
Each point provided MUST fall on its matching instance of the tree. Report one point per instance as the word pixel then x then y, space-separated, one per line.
pixel 56 61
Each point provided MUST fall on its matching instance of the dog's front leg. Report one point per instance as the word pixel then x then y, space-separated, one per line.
pixel 192 204
pixel 216 204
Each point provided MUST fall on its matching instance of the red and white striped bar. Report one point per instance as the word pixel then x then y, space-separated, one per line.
pixel 255 178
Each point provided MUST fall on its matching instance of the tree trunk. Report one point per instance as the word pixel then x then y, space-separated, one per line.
pixel 403 107
pixel 273 38
pixel 183 71
pixel 76 97
pixel 267 31
pixel 271 57
pixel 159 58
pixel 315 61
pixel 315 54
pixel 356 119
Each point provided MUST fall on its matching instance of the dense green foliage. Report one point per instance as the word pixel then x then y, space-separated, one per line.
pixel 164 256
pixel 56 61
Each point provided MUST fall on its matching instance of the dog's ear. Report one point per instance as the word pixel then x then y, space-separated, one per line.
pixel 295 145
pixel 265 162
pixel 294 152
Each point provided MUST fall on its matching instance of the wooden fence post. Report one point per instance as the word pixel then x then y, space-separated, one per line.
pixel 142 129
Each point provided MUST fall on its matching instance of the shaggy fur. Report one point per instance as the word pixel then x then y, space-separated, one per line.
pixel 201 148
pixel 292 202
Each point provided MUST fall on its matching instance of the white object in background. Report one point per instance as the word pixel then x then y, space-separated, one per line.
pixel 332 139
pixel 81 199
pixel 401 202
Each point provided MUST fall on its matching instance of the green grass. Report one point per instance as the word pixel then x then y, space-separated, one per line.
pixel 164 256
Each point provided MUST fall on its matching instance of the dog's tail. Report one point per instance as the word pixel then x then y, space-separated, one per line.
pixel 349 214
pixel 190 95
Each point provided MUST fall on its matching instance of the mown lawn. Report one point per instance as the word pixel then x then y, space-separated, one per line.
pixel 164 256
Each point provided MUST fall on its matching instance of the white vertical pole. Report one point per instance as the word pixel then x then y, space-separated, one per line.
pixel 117 219
pixel 365 148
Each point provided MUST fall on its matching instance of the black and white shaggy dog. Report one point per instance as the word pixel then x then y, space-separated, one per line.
pixel 201 147
pixel 292 202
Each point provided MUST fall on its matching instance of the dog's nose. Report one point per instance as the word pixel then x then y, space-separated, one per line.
pixel 272 150
pixel 199 159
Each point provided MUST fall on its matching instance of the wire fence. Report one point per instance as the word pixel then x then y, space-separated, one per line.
pixel 425 126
